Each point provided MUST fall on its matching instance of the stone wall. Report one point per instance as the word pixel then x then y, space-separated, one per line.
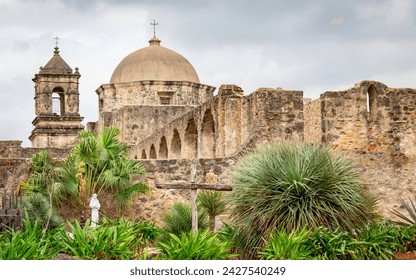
pixel 14 162
pixel 312 114
pixel 227 124
pixel 374 125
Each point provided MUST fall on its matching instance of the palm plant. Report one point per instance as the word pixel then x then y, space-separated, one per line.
pixel 213 203
pixel 38 191
pixel 296 185
pixel 99 164
pixel 411 211
pixel 39 210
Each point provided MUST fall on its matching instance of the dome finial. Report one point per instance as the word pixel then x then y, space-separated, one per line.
pixel 154 27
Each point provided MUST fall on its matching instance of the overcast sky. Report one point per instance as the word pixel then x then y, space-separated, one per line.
pixel 311 46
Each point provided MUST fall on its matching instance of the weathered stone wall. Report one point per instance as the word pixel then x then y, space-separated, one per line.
pixel 312 114
pixel 14 162
pixel 159 201
pixel 227 124
pixel 113 97
pixel 374 125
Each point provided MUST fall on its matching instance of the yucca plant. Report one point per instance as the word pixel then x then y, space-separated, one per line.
pixel 179 219
pixel 287 246
pixel 214 204
pixel 202 245
pixel 296 185
pixel 411 211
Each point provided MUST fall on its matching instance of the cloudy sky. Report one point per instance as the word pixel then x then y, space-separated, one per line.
pixel 305 45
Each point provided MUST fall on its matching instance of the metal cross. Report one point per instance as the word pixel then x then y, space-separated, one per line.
pixel 154 27
pixel 56 40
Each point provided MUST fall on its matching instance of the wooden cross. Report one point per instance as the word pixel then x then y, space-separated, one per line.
pixel 194 187
pixel 56 40
pixel 154 27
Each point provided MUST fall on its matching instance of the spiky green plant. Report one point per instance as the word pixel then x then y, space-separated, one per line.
pixel 411 211
pixel 213 203
pixel 179 219
pixel 296 185
pixel 202 245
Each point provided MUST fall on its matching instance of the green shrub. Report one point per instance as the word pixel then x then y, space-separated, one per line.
pixel 113 242
pixel 333 244
pixel 31 243
pixel 296 185
pixel 203 245
pixel 379 242
pixel 283 246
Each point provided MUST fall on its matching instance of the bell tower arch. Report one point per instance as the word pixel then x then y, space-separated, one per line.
pixel 57 121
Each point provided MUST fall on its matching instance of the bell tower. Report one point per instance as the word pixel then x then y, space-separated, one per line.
pixel 57 122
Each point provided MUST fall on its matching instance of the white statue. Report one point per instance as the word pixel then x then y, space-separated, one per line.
pixel 95 206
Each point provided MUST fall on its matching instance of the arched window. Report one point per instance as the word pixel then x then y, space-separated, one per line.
pixel 191 140
pixel 58 104
pixel 208 136
pixel 163 148
pixel 176 145
pixel 371 103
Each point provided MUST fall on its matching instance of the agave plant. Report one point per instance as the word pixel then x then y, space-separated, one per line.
pixel 296 185
pixel 410 209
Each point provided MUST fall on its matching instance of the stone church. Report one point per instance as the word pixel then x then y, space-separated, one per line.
pixel 169 120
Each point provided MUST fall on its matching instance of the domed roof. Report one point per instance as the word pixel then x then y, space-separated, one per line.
pixel 155 63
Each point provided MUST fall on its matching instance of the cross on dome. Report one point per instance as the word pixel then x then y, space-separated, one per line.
pixel 154 27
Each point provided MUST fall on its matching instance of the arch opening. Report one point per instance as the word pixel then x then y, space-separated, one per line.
pixel 176 145
pixel 163 148
pixel 191 140
pixel 58 104
pixel 208 136
pixel 152 153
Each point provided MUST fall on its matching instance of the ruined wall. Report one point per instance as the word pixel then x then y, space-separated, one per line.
pixel 228 123
pixel 374 125
pixel 312 115
pixel 14 162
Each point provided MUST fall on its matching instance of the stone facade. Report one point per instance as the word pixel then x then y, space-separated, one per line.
pixel 170 124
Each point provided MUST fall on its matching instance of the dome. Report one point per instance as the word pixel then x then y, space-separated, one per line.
pixel 154 63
